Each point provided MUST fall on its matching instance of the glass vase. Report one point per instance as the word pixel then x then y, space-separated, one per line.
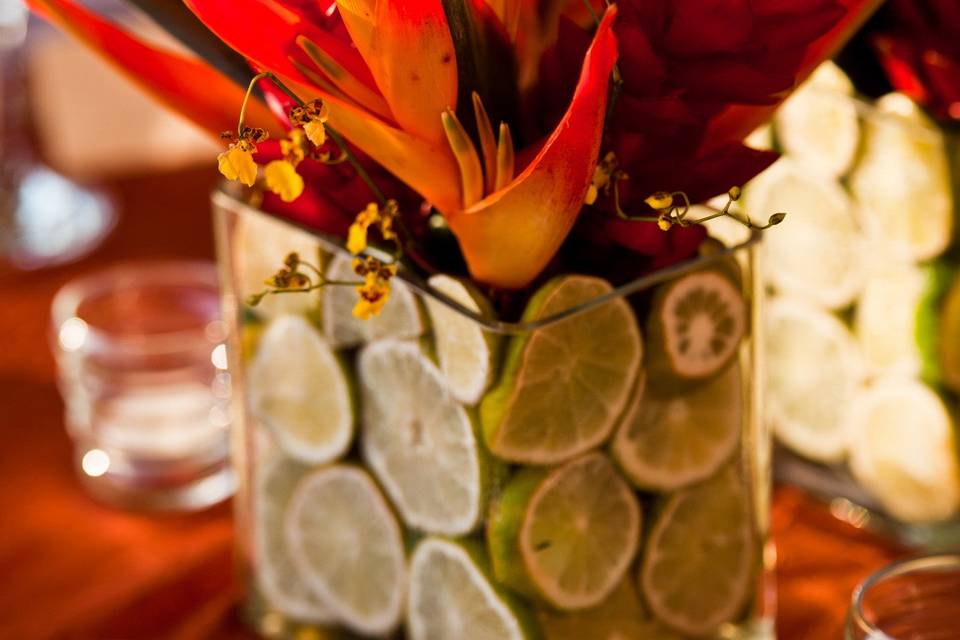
pixel 863 314
pixel 594 469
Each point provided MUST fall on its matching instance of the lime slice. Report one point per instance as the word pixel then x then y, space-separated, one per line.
pixel 817 252
pixel 902 182
pixel 695 328
pixel 814 368
pixel 567 535
pixel 903 450
pixel 563 386
pixel 262 244
pixel 298 390
pixel 669 441
pixel 277 575
pixel 697 566
pixel 399 318
pixel 936 329
pixel 948 337
pixel 349 548
pixel 451 597
pixel 619 617
pixel 886 318
pixel 419 441
pixel 465 350
pixel 818 126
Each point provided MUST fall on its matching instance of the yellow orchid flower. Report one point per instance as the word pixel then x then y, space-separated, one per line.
pixel 236 163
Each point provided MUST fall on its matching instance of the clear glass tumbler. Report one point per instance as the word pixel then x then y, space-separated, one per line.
pixel 142 370
pixel 595 469
pixel 915 599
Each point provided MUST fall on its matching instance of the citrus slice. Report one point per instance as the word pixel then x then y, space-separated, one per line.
pixel 262 244
pixel 695 328
pixel 566 536
pixel 902 182
pixel 298 390
pixel 619 617
pixel 903 450
pixel 564 385
pixel 399 318
pixel 818 126
pixel 938 324
pixel 817 252
pixel 668 441
pixel 947 334
pixel 885 320
pixel 277 575
pixel 419 441
pixel 814 368
pixel 451 597
pixel 349 548
pixel 697 566
pixel 465 350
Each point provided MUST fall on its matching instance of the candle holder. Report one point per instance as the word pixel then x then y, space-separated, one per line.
pixel 142 370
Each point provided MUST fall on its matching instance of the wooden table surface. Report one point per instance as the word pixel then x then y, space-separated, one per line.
pixel 72 568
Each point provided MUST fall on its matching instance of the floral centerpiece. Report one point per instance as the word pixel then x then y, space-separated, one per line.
pixel 496 376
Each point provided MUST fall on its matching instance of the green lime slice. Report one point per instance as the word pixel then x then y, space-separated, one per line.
pixel 669 441
pixel 902 182
pixel 695 328
pixel 563 386
pixel 903 450
pixel 276 573
pixel 464 349
pixel 620 617
pixel 697 567
pixel 399 318
pixel 420 442
pixel 452 597
pixel 818 126
pixel 813 370
pixel 262 244
pixel 935 329
pixel 567 535
pixel 817 252
pixel 885 319
pixel 299 392
pixel 948 337
pixel 348 546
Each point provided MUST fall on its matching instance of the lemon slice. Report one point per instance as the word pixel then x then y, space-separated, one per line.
pixel 277 575
pixel 451 597
pixel 903 450
pixel 298 390
pixel 668 441
pixel 566 536
pixel 886 318
pixel 465 350
pixel 564 385
pixel 697 566
pixel 814 369
pixel 349 548
pixel 818 126
pixel 902 182
pixel 817 252
pixel 695 328
pixel 619 617
pixel 399 318
pixel 419 441
pixel 262 244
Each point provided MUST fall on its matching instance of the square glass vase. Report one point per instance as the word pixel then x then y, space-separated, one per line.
pixel 595 469
pixel 863 311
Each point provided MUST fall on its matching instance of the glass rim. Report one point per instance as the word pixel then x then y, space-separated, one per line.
pixel 161 271
pixel 224 200
pixel 895 569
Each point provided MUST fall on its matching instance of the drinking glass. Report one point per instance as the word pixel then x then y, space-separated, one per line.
pixel 142 371
pixel 914 599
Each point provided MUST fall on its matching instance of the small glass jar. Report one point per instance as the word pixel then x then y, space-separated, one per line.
pixel 142 370
pixel 913 599
pixel 596 467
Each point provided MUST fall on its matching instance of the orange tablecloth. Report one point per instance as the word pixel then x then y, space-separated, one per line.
pixel 71 568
